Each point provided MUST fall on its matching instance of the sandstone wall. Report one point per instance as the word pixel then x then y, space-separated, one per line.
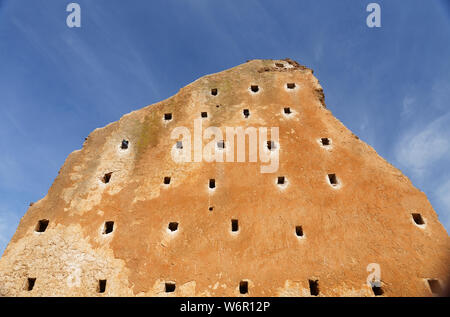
pixel 366 218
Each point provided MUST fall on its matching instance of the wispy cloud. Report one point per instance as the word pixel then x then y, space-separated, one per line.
pixel 418 150
pixel 424 154
pixel 408 106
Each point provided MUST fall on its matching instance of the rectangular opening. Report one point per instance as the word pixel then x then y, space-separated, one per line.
pixel 333 179
pixel 167 180
pixel 377 290
pixel 211 208
pixel 243 287
pixel 221 144
pixel 279 65
pixel 212 183
pixel 204 115
pixel 234 225
pixel 170 287
pixel 109 227
pixel 101 288
pixel 287 110
pixel 299 231
pixel 418 219
pixel 179 145
pixel 167 116
pixel 280 180
pixel 435 286
pixel 107 178
pixel 173 226
pixel 214 91
pixel 42 225
pixel 290 85
pixel 246 113
pixel 254 88
pixel 124 145
pixel 30 283
pixel 314 287
pixel 325 141
pixel 271 145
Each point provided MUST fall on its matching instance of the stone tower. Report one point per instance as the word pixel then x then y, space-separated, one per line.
pixel 124 218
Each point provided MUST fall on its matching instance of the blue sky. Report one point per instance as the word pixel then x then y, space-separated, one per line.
pixel 390 85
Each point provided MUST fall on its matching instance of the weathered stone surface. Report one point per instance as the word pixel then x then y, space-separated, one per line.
pixel 366 219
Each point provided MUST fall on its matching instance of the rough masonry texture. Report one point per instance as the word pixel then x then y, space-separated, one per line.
pixel 123 219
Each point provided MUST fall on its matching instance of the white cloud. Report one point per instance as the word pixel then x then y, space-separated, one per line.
pixel 419 150
pixel 407 106
pixel 425 154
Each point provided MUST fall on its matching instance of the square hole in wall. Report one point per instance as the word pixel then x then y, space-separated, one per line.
pixel 271 145
pixel 212 183
pixel 243 287
pixel 214 91
pixel 290 85
pixel 167 116
pixel 179 145
pixel 167 180
pixel 204 115
pixel 254 88
pixel 29 285
pixel 124 144
pixel 234 225
pixel 325 141
pixel 377 290
pixel 173 226
pixel 101 287
pixel 107 177
pixel 287 110
pixel 299 231
pixel 333 179
pixel 109 227
pixel 280 180
pixel 314 287
pixel 418 219
pixel 435 286
pixel 246 113
pixel 221 144
pixel 169 287
pixel 41 225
